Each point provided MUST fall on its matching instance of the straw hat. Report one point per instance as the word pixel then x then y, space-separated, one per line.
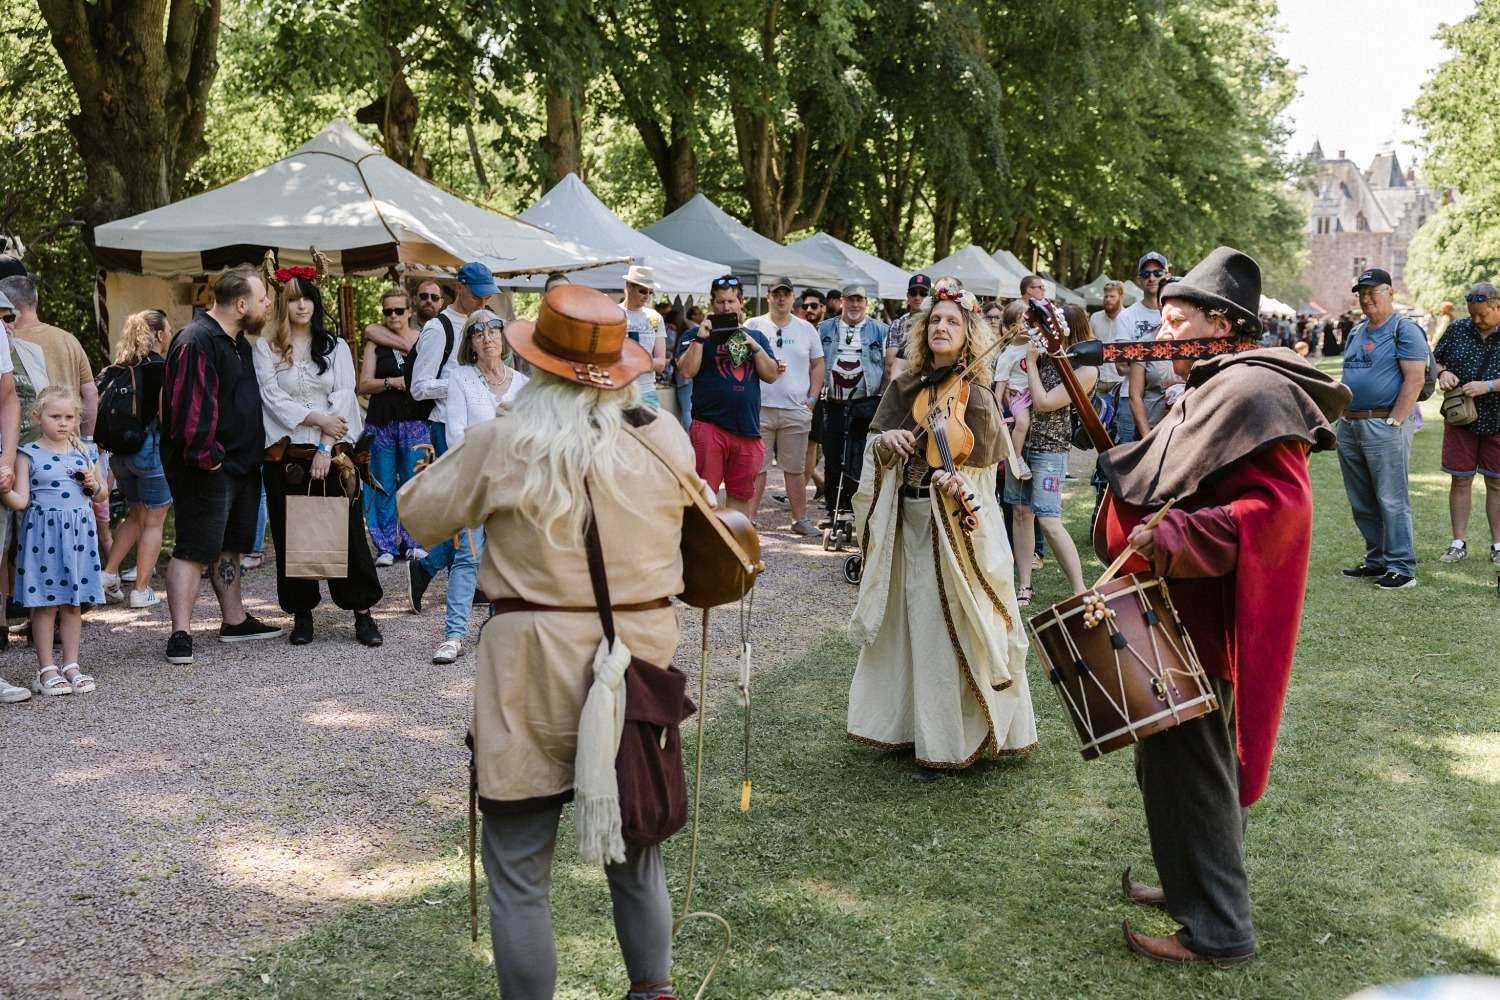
pixel 580 335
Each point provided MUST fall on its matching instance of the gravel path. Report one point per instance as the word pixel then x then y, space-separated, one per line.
pixel 179 817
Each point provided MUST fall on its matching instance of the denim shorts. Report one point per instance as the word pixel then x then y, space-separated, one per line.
pixel 140 476
pixel 1043 491
pixel 216 512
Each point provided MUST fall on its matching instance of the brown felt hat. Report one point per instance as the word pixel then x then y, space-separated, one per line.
pixel 579 334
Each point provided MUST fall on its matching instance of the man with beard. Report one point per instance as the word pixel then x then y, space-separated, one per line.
pixel 426 304
pixel 1232 452
pixel 211 444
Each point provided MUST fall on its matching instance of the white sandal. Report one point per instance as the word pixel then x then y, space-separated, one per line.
pixel 55 687
pixel 81 682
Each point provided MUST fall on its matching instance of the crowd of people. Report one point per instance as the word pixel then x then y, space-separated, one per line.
pixel 252 412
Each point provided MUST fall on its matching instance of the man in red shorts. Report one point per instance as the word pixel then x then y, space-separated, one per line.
pixel 727 369
pixel 1467 360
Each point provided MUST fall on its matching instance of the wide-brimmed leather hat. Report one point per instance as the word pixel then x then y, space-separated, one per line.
pixel 579 334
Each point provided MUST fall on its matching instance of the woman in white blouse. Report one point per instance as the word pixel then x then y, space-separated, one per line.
pixel 306 377
pixel 481 385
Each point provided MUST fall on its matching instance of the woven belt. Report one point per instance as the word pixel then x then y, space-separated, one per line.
pixel 916 492
pixel 508 604
pixel 1366 414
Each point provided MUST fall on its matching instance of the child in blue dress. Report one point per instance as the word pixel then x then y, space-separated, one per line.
pixel 57 560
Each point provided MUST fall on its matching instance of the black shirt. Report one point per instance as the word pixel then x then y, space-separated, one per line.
pixel 1461 351
pixel 394 405
pixel 210 404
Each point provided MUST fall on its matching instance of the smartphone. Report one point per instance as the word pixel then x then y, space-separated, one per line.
pixel 723 325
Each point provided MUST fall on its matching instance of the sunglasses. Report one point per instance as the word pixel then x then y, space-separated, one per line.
pixel 1471 297
pixel 483 332
pixel 728 282
pixel 7 317
pixel 401 311
pixel 429 297
pixel 1152 272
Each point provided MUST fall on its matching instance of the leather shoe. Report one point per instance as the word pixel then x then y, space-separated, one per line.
pixel 302 629
pixel 1173 952
pixel 1137 892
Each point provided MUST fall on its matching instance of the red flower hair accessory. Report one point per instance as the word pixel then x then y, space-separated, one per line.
pixel 285 274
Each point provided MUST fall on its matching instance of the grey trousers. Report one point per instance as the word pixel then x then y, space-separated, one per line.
pixel 1189 781
pixel 517 854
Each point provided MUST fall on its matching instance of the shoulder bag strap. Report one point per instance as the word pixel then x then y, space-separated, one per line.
pixel 595 554
pixel 696 494
pixel 448 337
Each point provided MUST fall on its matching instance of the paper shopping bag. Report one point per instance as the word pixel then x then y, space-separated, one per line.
pixel 317 537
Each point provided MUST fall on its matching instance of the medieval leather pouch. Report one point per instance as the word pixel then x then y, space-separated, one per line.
pixel 1458 409
pixel 648 767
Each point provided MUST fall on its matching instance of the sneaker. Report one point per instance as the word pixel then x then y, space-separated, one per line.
pixel 1395 581
pixel 180 648
pixel 780 499
pixel 10 694
pixel 251 628
pixel 113 593
pixel 802 526
pixel 385 559
pixel 144 598
pixel 127 575
pixel 1457 552
pixel 366 632
pixel 254 560
pixel 1364 570
pixel 447 651
pixel 1495 556
pixel 417 581
pixel 416 553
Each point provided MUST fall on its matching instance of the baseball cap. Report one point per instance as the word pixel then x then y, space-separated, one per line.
pixel 919 282
pixel 479 279
pixel 1370 277
pixel 855 289
pixel 11 267
pixel 835 293
pixel 5 303
pixel 1153 255
pixel 782 283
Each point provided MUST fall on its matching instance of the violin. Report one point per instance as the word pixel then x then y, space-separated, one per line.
pixel 940 412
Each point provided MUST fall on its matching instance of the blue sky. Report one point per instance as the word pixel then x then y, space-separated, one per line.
pixel 1364 63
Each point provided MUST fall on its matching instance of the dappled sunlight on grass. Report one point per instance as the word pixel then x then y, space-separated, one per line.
pixel 1478 925
pixel 1477 758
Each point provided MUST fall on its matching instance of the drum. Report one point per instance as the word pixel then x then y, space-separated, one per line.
pixel 1121 663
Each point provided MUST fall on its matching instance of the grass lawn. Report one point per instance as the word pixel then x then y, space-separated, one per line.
pixel 1374 856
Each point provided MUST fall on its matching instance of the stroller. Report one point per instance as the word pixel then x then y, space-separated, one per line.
pixel 839 535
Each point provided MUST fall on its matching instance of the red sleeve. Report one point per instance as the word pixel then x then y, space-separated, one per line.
pixel 194 389
pixel 1201 543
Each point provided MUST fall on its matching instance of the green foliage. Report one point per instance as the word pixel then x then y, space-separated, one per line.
pixel 1456 248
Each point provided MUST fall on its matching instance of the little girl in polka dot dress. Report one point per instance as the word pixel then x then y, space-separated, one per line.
pixel 57 560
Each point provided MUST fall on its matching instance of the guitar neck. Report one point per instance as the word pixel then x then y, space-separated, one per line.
pixel 1087 415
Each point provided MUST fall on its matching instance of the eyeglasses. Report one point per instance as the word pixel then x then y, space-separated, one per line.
pixel 728 281
pixel 1472 297
pixel 484 331
pixel 401 311
pixel 8 317
pixel 1152 272
pixel 429 297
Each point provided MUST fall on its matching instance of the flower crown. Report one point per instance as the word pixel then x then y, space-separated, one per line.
pixel 949 290
pixel 285 274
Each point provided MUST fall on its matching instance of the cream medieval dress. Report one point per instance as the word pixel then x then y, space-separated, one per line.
pixel 942 662
pixel 534 667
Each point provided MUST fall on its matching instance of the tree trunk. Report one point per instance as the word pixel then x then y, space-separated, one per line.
pixel 396 113
pixel 142 94
pixel 563 143
pixel 944 224
pixel 673 156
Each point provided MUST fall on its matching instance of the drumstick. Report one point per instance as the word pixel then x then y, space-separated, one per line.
pixel 1130 550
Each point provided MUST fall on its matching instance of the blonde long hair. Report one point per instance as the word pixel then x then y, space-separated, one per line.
pixel 138 337
pixel 563 434
pixel 978 337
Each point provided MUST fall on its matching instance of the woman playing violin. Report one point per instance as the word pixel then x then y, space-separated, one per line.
pixel 942 661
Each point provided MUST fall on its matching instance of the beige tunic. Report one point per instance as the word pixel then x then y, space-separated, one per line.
pixel 534 669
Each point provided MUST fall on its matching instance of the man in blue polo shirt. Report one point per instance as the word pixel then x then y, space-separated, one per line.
pixel 1385 360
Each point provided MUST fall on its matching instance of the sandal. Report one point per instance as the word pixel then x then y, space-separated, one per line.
pixel 81 682
pixel 58 685
pixel 1023 597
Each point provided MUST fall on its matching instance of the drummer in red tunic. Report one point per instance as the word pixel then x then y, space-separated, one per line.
pixel 1233 453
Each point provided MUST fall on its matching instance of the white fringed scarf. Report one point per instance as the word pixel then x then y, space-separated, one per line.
pixel 596 817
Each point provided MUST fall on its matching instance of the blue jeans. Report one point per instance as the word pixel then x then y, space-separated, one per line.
pixel 1124 422
pixel 260 523
pixel 1374 458
pixel 461 560
pixel 685 404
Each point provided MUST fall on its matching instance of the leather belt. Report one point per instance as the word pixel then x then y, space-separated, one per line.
pixel 508 604
pixel 916 492
pixel 1367 414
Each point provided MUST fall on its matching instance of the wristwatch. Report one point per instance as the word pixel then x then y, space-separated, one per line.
pixel 1393 421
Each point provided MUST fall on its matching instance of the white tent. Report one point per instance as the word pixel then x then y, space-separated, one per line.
pixel 1275 307
pixel 1055 292
pixel 884 281
pixel 980 273
pixel 705 230
pixel 574 212
pixel 1093 292
pixel 338 193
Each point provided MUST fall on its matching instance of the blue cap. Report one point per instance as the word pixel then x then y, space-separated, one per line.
pixel 479 279
pixel 1153 255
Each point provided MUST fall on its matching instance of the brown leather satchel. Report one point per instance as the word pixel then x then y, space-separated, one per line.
pixel 720 547
pixel 649 770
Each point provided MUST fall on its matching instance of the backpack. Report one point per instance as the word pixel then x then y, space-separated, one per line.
pixel 118 428
pixel 1429 377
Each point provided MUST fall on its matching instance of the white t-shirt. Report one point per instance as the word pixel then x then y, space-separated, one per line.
pixel 1010 368
pixel 427 381
pixel 797 344
pixel 1136 324
pixel 6 365
pixel 1105 331
pixel 644 326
